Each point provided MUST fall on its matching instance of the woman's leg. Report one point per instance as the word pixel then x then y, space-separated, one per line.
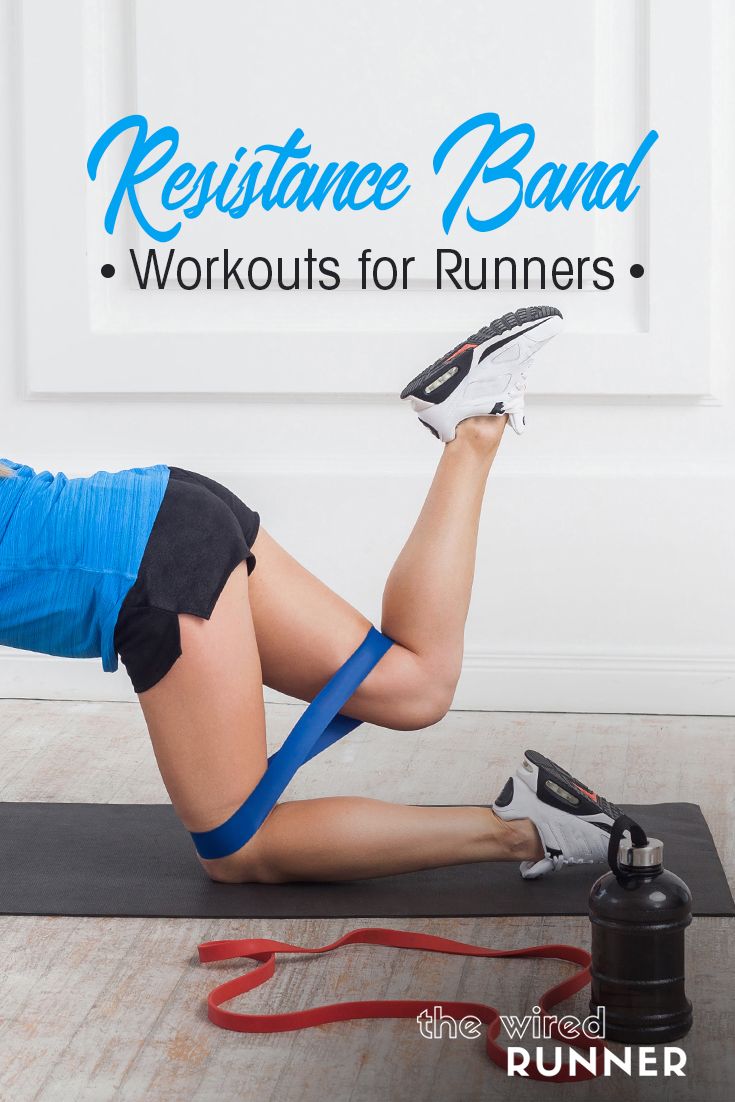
pixel 305 631
pixel 207 727
pixel 208 733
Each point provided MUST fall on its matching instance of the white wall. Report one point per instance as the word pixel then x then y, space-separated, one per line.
pixel 604 580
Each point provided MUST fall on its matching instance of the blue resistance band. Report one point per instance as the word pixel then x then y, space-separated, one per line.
pixel 319 727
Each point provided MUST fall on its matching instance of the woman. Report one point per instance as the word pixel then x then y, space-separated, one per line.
pixel 158 565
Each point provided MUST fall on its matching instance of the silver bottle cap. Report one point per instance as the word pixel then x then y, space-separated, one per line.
pixel 640 857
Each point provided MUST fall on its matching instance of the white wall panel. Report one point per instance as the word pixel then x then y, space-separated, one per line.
pixel 594 94
pixel 604 578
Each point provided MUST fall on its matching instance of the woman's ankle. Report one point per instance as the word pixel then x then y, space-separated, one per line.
pixel 482 433
pixel 520 839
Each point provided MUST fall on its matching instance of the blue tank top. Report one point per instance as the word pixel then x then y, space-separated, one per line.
pixel 70 549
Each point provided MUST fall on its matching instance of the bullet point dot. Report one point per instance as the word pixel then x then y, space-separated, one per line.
pixel 636 270
pixel 108 270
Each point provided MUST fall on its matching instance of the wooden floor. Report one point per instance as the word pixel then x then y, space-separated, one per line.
pixel 97 1009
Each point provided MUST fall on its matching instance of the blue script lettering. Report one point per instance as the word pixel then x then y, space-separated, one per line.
pixel 598 185
pixel 289 179
pixel 133 174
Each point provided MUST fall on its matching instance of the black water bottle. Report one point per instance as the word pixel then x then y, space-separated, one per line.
pixel 639 914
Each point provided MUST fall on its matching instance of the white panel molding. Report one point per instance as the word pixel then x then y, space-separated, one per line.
pixel 655 684
pixel 82 338
pixel 652 684
pixel 346 467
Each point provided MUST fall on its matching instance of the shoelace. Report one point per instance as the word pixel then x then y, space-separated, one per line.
pixel 264 952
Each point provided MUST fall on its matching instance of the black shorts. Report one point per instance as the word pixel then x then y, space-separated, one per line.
pixel 202 532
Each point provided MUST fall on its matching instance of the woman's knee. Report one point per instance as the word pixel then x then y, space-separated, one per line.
pixel 420 693
pixel 240 868
pixel 252 864
pixel 424 710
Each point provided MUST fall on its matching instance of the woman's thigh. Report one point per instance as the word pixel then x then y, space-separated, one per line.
pixel 305 632
pixel 205 717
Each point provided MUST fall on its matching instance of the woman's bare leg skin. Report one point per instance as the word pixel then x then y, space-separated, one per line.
pixel 305 631
pixel 206 716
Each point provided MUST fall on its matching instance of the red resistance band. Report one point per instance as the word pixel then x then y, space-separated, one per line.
pixel 264 951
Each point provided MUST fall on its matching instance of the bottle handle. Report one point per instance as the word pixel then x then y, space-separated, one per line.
pixel 638 837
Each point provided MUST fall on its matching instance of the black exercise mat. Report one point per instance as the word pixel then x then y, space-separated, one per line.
pixel 137 859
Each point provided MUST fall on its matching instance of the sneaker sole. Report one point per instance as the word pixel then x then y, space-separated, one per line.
pixel 524 316
pixel 561 775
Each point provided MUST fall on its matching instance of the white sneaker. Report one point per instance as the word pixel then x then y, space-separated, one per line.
pixel 573 822
pixel 485 375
